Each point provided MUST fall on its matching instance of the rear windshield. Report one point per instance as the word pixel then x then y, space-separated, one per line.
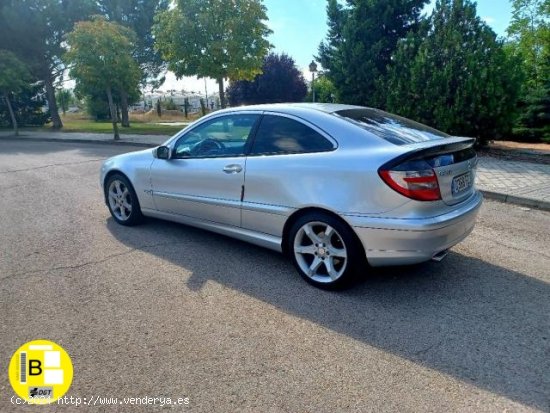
pixel 394 129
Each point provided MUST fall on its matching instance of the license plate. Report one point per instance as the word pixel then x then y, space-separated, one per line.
pixel 462 183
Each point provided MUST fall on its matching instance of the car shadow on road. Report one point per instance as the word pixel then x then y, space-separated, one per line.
pixel 464 317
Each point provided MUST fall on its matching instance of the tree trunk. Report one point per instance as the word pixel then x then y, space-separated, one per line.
pixel 12 115
pixel 222 92
pixel 112 111
pixel 124 108
pixel 52 104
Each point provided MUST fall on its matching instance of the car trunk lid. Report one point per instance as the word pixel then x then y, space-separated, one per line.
pixel 452 160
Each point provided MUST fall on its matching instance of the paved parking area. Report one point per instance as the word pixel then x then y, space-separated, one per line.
pixel 168 310
pixel 521 179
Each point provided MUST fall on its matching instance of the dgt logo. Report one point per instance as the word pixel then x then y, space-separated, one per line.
pixel 40 392
pixel 40 372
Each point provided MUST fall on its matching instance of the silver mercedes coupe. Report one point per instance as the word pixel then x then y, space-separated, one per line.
pixel 338 188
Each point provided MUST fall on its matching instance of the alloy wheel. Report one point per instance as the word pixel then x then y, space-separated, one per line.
pixel 320 252
pixel 120 200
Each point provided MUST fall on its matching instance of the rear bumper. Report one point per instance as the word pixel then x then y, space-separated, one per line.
pixel 394 241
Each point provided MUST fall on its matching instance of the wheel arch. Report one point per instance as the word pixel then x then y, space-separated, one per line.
pixel 108 175
pixel 309 210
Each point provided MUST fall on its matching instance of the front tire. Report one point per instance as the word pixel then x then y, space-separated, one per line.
pixel 122 200
pixel 325 251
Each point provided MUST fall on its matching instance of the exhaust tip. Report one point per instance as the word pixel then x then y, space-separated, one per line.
pixel 440 255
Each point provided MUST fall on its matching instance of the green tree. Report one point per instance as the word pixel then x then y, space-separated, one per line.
pixel 64 98
pixel 33 30
pixel 280 81
pixel 96 103
pixel 14 76
pixel 138 15
pixel 213 38
pixel 325 92
pixel 456 76
pixel 529 32
pixel 203 107
pixel 28 107
pixel 100 54
pixel 186 107
pixel 170 104
pixel 361 40
pixel 529 40
pixel 534 119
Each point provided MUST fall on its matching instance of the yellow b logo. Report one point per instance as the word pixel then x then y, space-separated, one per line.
pixel 40 372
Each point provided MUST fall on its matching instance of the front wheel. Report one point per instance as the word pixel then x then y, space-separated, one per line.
pixel 325 251
pixel 122 200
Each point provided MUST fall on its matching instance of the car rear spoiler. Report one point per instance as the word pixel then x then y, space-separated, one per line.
pixel 449 145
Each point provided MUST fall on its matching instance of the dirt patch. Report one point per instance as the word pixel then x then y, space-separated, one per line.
pixel 538 147
pixel 518 151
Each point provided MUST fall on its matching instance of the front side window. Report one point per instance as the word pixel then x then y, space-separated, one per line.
pixel 219 137
pixel 281 135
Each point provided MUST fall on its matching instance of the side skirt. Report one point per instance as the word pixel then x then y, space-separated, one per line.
pixel 257 238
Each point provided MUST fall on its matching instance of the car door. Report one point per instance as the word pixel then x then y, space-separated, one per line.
pixel 204 176
pixel 285 166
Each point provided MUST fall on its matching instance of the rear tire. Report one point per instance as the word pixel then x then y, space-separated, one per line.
pixel 325 251
pixel 122 200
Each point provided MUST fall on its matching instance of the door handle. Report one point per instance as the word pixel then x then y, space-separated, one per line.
pixel 232 169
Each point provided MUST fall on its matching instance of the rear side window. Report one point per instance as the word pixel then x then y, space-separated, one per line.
pixel 392 128
pixel 280 135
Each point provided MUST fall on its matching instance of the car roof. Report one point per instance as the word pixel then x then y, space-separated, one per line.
pixel 292 108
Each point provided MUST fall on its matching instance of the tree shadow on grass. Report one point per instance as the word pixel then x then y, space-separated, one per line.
pixel 469 319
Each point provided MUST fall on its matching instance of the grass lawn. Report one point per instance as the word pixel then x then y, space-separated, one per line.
pixel 140 124
pixel 86 125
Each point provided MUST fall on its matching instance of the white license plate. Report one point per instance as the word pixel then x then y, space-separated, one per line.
pixel 462 183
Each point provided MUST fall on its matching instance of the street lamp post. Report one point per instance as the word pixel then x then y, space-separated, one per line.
pixel 313 69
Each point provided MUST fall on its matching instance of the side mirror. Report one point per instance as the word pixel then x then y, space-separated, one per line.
pixel 162 152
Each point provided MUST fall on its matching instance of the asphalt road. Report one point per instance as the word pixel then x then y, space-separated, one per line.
pixel 167 310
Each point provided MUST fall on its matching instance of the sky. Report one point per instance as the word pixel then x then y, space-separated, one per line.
pixel 300 25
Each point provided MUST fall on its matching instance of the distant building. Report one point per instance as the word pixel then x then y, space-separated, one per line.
pixel 149 100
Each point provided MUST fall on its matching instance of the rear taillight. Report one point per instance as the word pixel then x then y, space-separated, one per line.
pixel 414 179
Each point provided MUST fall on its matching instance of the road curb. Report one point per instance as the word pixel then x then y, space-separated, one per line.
pixel 516 200
pixel 72 140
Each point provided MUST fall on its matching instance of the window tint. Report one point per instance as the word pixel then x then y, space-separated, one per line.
pixel 280 135
pixel 394 129
pixel 223 136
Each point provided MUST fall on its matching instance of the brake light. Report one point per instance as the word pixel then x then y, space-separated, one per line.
pixel 418 184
